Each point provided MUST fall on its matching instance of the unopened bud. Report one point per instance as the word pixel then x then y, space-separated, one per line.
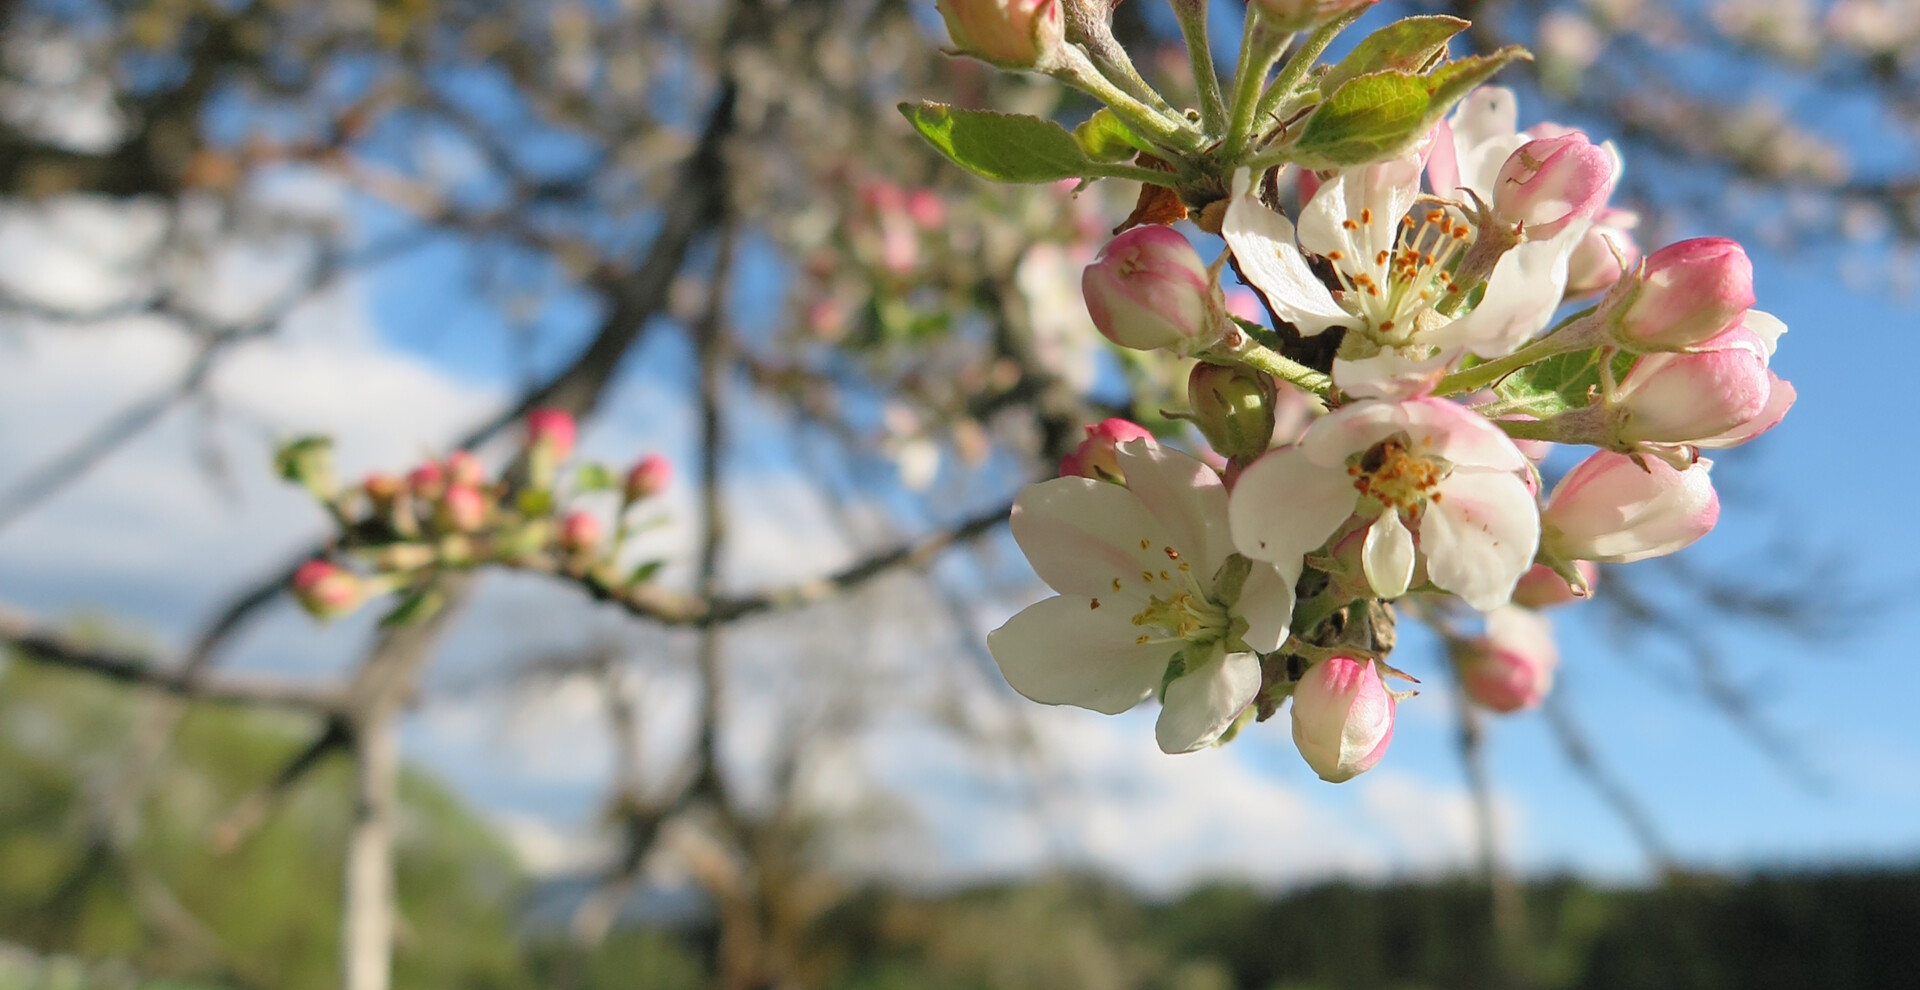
pixel 428 481
pixel 463 468
pixel 1606 252
pixel 1687 293
pixel 1552 182
pixel 1512 666
pixel 581 531
pixel 1616 509
pixel 1149 290
pixel 1234 408
pixel 553 431
pixel 1012 34
pixel 1543 587
pixel 465 508
pixel 326 591
pixel 382 489
pixel 308 462
pixel 1094 458
pixel 1674 397
pixel 649 477
pixel 1342 717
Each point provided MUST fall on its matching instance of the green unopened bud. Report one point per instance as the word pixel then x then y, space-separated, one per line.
pixel 1233 406
pixel 308 462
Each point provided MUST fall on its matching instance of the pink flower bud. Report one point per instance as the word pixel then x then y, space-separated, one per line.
pixel 1549 183
pixel 1615 510
pixel 1597 262
pixel 552 429
pixel 428 481
pixel 1233 407
pixel 463 468
pixel 649 477
pixel 1511 667
pixel 1689 292
pixel 1094 458
pixel 927 209
pixel 326 591
pixel 1342 717
pixel 1013 34
pixel 1673 397
pixel 581 531
pixel 1149 289
pixel 1541 588
pixel 465 508
pixel 382 489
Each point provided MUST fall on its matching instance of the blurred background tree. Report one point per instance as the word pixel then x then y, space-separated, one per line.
pixel 713 203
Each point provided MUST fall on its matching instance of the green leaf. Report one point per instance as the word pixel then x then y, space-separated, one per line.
pixel 1382 114
pixel 999 146
pixel 308 461
pixel 594 477
pixel 1409 45
pixel 1560 383
pixel 1105 139
pixel 645 572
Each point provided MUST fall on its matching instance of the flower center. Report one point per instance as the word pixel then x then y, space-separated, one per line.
pixel 1177 610
pixel 1389 284
pixel 1396 477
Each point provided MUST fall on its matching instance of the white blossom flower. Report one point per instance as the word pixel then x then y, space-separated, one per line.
pixel 1427 478
pixel 1135 568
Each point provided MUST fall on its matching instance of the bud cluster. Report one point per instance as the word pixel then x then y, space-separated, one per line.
pixel 399 533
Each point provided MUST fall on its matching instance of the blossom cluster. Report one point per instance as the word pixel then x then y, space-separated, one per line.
pixel 1226 585
pixel 401 532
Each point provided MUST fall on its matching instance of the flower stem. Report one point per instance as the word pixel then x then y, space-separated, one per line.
pixel 1577 333
pixel 1192 15
pixel 1260 47
pixel 1259 357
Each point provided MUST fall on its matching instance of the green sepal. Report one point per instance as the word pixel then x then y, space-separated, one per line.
pixel 1409 45
pixel 1003 147
pixel 414 608
pixel 1380 115
pixel 1105 139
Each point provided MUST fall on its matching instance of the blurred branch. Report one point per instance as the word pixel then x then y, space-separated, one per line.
pixel 1579 754
pixel 38 643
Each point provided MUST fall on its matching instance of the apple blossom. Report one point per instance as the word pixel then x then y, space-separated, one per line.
pixel 649 477
pixel 1617 509
pixel 465 508
pixel 1543 587
pixel 1342 717
pixel 1013 34
pixel 1511 667
pixel 1472 145
pixel 325 590
pixel 1720 394
pixel 428 481
pixel 1095 457
pixel 1605 253
pixel 552 430
pixel 1687 293
pixel 1549 183
pixel 463 468
pixel 1149 289
pixel 580 531
pixel 1138 570
pixel 1425 470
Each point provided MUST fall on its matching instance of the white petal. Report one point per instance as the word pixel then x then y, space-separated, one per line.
pixel 1461 435
pixel 1284 506
pixel 1486 113
pixel 1201 703
pixel 1387 556
pixel 1480 536
pixel 1080 534
pixel 1522 294
pixel 1185 497
pixel 1767 327
pixel 1061 651
pixel 1323 219
pixel 1391 374
pixel 1262 241
pixel 1349 430
pixel 1266 602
